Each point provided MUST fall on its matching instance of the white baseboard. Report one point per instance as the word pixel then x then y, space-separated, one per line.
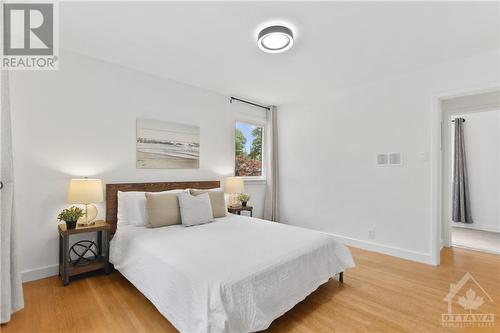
pixel 40 273
pixel 475 249
pixel 473 227
pixel 394 251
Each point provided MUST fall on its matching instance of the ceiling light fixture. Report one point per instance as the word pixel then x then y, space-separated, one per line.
pixel 275 39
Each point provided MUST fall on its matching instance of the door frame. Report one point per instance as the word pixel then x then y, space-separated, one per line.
pixel 440 205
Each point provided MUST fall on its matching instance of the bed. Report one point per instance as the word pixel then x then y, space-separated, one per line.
pixel 236 274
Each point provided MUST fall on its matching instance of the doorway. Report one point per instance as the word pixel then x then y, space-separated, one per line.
pixel 471 172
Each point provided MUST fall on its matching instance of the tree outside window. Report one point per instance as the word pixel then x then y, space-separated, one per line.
pixel 248 150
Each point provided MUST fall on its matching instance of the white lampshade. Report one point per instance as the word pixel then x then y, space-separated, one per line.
pixel 85 191
pixel 234 185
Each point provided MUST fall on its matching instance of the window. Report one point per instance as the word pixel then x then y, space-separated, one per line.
pixel 248 150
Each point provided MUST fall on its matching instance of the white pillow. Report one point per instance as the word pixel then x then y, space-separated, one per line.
pixel 132 207
pixel 195 209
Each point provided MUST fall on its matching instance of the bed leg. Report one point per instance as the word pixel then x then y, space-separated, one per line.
pixel 341 277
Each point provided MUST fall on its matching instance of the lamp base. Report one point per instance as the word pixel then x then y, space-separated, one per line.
pixel 85 224
pixel 233 200
pixel 89 217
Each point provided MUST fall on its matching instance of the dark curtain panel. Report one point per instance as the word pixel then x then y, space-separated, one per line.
pixel 461 198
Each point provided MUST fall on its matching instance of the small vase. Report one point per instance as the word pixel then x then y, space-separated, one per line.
pixel 70 224
pixel 244 203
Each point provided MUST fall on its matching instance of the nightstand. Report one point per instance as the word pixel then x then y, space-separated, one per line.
pixel 85 255
pixel 239 209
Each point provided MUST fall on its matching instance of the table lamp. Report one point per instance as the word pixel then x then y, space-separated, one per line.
pixel 86 191
pixel 234 186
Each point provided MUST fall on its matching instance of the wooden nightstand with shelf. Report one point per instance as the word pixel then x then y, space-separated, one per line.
pixel 83 262
pixel 239 209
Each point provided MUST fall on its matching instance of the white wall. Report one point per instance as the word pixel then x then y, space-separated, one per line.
pixel 328 145
pixel 482 146
pixel 80 121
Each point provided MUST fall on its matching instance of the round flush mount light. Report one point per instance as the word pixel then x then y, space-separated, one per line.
pixel 275 39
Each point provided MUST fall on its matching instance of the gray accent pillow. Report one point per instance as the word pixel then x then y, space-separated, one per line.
pixel 217 201
pixel 195 209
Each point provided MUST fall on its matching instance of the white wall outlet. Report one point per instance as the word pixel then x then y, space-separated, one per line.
pixel 371 234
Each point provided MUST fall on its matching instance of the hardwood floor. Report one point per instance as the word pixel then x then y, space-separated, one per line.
pixel 382 294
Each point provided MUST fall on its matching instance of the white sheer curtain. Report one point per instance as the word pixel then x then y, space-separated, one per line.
pixel 10 277
pixel 271 208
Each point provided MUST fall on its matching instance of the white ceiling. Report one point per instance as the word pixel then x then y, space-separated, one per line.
pixel 338 44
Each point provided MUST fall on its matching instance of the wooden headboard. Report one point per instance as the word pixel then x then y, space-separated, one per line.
pixel 112 193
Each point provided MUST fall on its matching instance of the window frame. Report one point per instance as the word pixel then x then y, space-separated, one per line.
pixel 263 125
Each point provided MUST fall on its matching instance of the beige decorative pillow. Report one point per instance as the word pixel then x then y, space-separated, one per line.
pixel 162 209
pixel 216 200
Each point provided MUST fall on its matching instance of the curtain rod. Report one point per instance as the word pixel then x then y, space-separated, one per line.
pixel 248 102
pixel 454 120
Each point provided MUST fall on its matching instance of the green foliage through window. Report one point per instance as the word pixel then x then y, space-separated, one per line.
pixel 248 149
pixel 240 142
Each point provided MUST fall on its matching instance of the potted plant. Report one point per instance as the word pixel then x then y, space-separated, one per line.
pixel 70 216
pixel 244 198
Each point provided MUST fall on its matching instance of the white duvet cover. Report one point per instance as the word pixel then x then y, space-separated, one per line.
pixel 237 274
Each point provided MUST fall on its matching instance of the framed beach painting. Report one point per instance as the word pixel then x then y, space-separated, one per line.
pixel 167 145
